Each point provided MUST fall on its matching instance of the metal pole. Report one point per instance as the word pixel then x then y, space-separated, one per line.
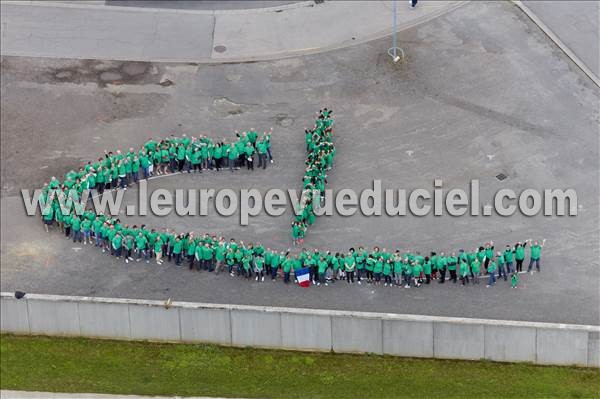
pixel 395 5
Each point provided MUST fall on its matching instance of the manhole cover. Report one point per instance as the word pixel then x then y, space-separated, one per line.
pixel 220 49
pixel 501 176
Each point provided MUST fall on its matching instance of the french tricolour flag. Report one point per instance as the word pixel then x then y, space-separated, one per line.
pixel 303 277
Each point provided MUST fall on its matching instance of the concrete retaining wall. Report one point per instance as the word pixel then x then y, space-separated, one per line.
pixel 303 329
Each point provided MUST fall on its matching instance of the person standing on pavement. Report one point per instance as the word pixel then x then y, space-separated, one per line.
pixel 501 268
pixel 492 273
pixel 520 255
pixel 535 255
pixel 452 262
pixel 509 255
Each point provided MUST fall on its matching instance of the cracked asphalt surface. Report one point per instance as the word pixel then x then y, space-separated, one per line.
pixel 483 92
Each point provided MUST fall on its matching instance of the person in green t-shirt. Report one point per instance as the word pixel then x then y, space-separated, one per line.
pixel 128 242
pixel 452 263
pixel 378 269
pixel 86 228
pixel 387 272
pixel 232 156
pixel 491 269
pixel 427 269
pixel 509 255
pixel 441 266
pixel 463 272
pixel 158 250
pixel 536 255
pixel 246 263
pixel 141 247
pixel 261 150
pixel 76 228
pixel 501 265
pixel 475 270
pixel 322 266
pixel 48 216
pixel 259 265
pixel 514 280
pixel 117 245
pixel 177 250
pixel 349 266
pixel 417 270
pixel 520 255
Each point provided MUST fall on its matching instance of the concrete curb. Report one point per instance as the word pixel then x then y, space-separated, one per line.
pixel 557 41
pixel 95 5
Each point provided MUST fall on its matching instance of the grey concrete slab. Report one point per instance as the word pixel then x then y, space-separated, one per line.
pixel 104 320
pixel 408 338
pixel 205 325
pixel 60 318
pixel 154 322
pixel 480 81
pixel 562 347
pixel 255 328
pixel 594 349
pixel 517 344
pixel 576 23
pixel 362 335
pixel 13 315
pixel 307 332
pixel 458 341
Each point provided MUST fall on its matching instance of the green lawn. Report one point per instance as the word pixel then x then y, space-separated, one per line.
pixel 102 366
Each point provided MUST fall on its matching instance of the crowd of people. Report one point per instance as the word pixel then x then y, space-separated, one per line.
pixel 319 159
pixel 158 157
pixel 253 261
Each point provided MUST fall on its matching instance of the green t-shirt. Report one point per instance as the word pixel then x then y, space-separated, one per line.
pixel 476 266
pixel 207 253
pixel 417 269
pixel 287 265
pixel 177 247
pixel 322 265
pixel 259 262
pixel 463 269
pixel 520 253
pixel 508 255
pixel 141 242
pixel 536 252
pixel 76 224
pixel 117 241
pixel 378 266
pixel 452 261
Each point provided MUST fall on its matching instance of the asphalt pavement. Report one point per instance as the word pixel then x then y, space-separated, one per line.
pixel 482 92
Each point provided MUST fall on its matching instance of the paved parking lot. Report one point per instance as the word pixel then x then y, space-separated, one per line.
pixel 483 92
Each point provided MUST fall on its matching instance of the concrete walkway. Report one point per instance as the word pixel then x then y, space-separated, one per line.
pixel 92 31
pixel 51 395
pixel 575 24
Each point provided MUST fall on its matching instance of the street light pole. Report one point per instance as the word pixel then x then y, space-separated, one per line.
pixel 394 26
pixel 393 51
